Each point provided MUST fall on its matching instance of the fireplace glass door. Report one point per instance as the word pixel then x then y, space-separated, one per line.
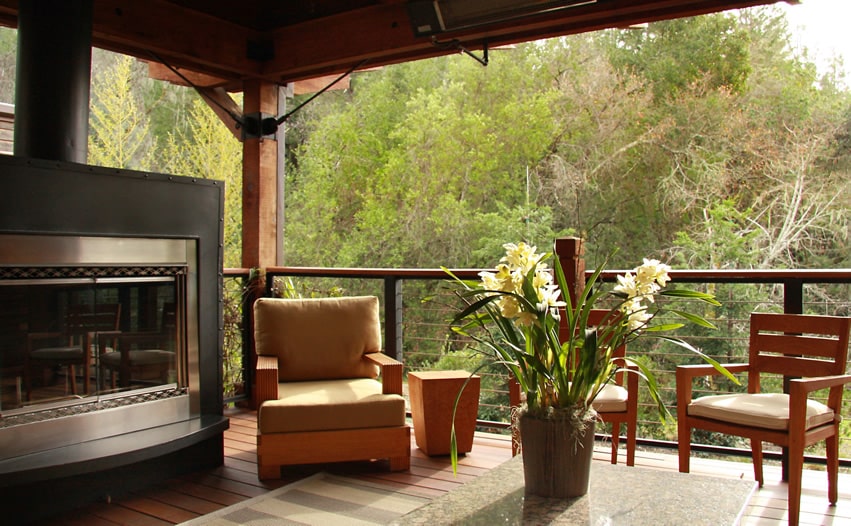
pixel 72 334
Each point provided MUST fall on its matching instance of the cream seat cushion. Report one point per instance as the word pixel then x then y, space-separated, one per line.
pixel 330 405
pixel 612 399
pixel 765 410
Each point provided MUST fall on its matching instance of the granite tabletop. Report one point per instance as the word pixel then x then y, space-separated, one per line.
pixel 618 495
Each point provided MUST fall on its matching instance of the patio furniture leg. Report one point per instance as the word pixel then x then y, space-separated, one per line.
pixel 756 455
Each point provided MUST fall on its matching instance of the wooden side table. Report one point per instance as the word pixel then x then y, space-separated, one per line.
pixel 432 395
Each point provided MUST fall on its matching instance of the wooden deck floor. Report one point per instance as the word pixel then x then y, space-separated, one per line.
pixel 199 493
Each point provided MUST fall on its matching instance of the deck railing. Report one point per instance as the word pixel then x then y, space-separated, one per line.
pixel 417 304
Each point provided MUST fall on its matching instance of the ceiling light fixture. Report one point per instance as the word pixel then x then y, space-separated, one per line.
pixel 440 16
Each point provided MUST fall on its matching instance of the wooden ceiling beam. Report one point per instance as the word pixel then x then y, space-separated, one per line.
pixel 181 37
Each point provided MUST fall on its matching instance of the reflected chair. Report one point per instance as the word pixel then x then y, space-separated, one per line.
pixel 318 396
pixel 144 356
pixel 813 351
pixel 74 345
pixel 616 404
pixel 138 357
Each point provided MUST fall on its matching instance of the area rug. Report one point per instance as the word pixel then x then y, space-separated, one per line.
pixel 321 499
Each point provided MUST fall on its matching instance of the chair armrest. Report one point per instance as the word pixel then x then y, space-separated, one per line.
pixel 808 385
pixel 687 373
pixel 267 379
pixel 391 372
pixel 799 388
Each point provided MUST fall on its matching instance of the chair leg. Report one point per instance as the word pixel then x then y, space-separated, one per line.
pixel 631 433
pixel 796 466
pixel 832 454
pixel 616 438
pixel 267 472
pixel 72 377
pixel 400 463
pixel 684 444
pixel 756 455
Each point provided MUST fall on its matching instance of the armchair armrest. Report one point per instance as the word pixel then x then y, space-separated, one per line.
pixel 266 378
pixel 687 373
pixel 391 372
pixel 799 388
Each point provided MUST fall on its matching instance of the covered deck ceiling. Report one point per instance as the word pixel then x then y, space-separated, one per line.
pixel 226 43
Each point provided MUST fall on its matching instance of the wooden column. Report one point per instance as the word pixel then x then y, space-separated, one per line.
pixel 259 181
pixel 570 252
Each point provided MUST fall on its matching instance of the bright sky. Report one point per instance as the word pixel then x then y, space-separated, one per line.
pixel 823 27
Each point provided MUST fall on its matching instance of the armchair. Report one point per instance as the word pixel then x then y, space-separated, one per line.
pixel 813 350
pixel 318 397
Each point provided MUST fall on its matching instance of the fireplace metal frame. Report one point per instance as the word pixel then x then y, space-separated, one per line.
pixel 49 198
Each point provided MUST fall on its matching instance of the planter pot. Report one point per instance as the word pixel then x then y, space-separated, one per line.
pixel 556 456
pixel 432 395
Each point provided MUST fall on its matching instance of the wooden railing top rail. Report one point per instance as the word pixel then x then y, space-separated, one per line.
pixel 705 276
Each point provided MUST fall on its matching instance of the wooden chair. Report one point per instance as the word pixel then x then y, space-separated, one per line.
pixel 617 404
pixel 74 345
pixel 143 356
pixel 812 347
pixel 319 400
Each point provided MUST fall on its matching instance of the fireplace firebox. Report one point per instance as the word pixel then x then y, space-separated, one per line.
pixel 110 309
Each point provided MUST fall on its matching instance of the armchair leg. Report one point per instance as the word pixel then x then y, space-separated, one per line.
pixel 684 445
pixel 832 454
pixel 631 432
pixel 400 463
pixel 796 466
pixel 266 472
pixel 616 438
pixel 756 454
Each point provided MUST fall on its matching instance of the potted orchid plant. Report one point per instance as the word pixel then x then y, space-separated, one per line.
pixel 514 315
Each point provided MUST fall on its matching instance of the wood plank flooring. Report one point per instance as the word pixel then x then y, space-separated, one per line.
pixel 196 494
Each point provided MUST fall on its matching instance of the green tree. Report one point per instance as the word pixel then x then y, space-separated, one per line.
pixel 118 127
pixel 8 59
pixel 209 150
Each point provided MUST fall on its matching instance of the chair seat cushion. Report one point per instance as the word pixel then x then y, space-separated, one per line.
pixel 330 405
pixel 764 410
pixel 138 357
pixel 612 399
pixel 58 353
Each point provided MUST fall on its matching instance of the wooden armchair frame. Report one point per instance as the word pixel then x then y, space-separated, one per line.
pixel 794 345
pixel 277 449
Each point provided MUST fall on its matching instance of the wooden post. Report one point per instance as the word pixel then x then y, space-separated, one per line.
pixel 259 196
pixel 259 181
pixel 570 252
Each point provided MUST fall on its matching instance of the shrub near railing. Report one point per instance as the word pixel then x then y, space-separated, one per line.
pixel 425 305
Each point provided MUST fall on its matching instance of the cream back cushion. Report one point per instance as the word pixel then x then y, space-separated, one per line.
pixel 318 339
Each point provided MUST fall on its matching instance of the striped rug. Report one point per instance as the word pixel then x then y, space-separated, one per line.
pixel 322 499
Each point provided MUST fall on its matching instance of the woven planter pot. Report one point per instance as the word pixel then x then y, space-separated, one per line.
pixel 556 456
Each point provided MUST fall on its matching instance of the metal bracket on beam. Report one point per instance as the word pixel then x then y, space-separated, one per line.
pixel 259 126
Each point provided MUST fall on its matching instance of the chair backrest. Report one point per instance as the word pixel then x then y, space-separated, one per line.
pixel 596 317
pixel 84 319
pixel 319 338
pixel 797 345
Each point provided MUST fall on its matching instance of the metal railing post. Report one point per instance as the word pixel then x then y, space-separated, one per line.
pixel 393 317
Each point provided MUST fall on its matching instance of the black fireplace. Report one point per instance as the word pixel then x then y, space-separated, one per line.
pixel 110 331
